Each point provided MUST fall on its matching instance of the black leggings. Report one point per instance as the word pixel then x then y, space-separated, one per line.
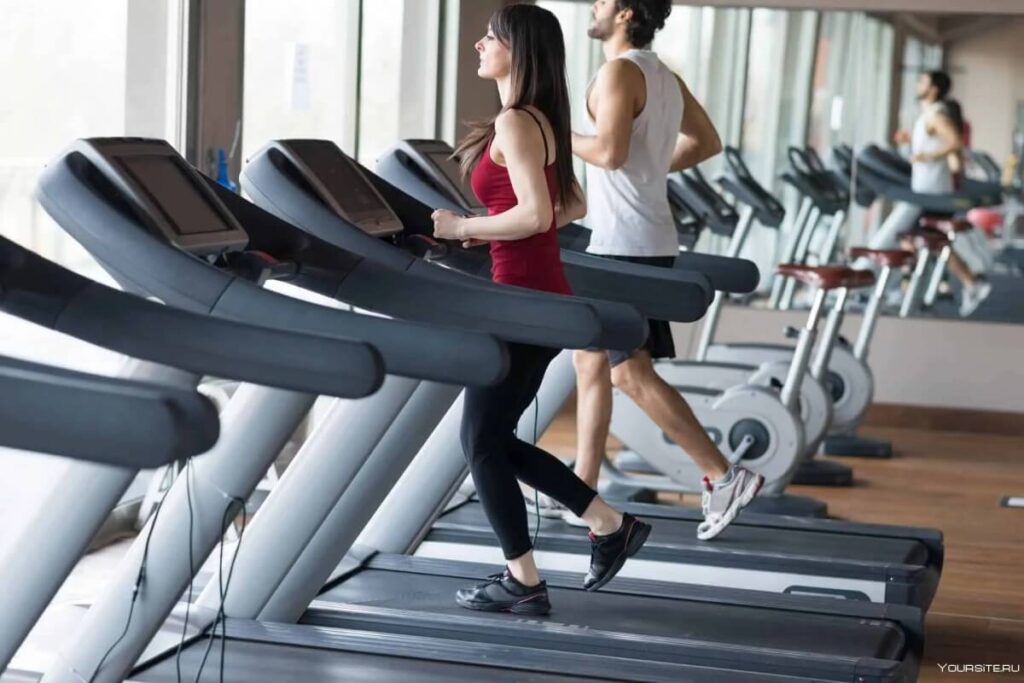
pixel 497 457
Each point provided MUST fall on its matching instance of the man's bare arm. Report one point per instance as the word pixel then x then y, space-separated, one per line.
pixel 613 100
pixel 944 129
pixel 698 139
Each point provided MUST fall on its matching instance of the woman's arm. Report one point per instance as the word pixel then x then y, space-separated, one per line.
pixel 519 140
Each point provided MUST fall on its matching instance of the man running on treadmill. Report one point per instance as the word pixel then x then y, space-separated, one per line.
pixel 643 123
pixel 935 142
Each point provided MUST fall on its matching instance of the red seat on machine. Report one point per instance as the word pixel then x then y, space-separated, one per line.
pixel 893 258
pixel 827 277
pixel 926 238
pixel 986 219
pixel 950 226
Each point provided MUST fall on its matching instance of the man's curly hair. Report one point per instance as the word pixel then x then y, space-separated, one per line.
pixel 648 18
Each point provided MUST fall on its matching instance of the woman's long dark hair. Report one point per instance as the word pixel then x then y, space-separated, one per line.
pixel 534 39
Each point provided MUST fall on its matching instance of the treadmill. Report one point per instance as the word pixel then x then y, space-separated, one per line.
pixel 879 563
pixel 417 173
pixel 812 638
pixel 131 202
pixel 105 420
pixel 169 347
pixel 309 653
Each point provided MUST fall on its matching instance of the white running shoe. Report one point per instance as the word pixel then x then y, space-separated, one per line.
pixel 545 506
pixel 971 297
pixel 722 502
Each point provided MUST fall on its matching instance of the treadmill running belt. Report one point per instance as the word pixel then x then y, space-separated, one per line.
pixel 737 538
pixel 723 624
pixel 247 662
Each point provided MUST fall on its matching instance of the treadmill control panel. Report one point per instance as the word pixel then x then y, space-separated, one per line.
pixel 434 163
pixel 166 193
pixel 338 181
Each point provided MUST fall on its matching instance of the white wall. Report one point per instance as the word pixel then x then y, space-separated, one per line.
pixel 988 78
pixel 918 362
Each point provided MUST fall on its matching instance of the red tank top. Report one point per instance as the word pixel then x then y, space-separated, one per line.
pixel 534 262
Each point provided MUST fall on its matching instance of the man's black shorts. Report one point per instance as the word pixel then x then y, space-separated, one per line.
pixel 659 338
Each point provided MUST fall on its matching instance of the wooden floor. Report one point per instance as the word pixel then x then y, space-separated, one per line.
pixel 954 482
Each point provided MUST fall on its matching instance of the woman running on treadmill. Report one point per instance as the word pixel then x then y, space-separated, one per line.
pixel 520 167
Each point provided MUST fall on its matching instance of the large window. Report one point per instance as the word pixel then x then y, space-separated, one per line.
pixel 708 47
pixel 778 79
pixel 852 92
pixel 398 73
pixel 79 68
pixel 779 63
pixel 360 73
pixel 852 81
pixel 300 71
pixel 71 69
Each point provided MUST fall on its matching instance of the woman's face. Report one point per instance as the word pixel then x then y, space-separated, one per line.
pixel 495 58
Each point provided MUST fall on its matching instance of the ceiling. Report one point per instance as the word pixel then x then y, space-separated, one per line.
pixel 917 6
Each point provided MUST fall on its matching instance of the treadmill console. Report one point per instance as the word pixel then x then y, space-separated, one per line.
pixel 709 206
pixel 432 162
pixel 688 224
pixel 739 182
pixel 164 192
pixel 338 181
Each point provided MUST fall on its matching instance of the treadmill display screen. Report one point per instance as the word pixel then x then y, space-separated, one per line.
pixel 342 180
pixel 173 190
pixel 450 168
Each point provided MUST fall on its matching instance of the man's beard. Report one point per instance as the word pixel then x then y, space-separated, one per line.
pixel 599 31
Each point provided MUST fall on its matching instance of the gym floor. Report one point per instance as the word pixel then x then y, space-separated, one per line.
pixel 952 481
pixel 949 480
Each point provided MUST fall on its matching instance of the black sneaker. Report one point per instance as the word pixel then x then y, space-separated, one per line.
pixel 609 553
pixel 503 593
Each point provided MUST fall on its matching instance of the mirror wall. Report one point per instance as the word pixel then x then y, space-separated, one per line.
pixel 774 78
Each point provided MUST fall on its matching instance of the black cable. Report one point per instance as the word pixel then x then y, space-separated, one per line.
pixel 223 588
pixel 536 496
pixel 139 579
pixel 227 586
pixel 191 567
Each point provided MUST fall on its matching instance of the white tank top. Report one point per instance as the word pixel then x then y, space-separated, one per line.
pixel 929 177
pixel 628 211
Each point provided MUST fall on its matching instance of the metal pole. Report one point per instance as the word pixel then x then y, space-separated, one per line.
pixel 938 271
pixel 871 313
pixel 711 318
pixel 829 336
pixel 52 543
pixel 802 353
pixel 799 224
pixel 910 297
pixel 256 425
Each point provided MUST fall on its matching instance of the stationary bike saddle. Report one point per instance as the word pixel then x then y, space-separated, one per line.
pixel 827 277
pixel 893 258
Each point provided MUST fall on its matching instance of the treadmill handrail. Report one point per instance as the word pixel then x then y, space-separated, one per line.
pixel 145 263
pixel 662 293
pixel 588 281
pixel 428 290
pixel 49 295
pixel 132 424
